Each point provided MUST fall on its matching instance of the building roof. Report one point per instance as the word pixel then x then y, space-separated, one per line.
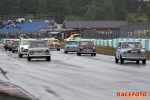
pixel 93 24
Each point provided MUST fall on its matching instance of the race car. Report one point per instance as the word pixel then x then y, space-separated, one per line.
pixel 54 44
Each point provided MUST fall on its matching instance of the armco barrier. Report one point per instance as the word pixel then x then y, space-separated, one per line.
pixel 1 40
pixel 114 42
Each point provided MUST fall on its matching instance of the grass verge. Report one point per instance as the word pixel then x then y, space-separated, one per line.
pixel 106 50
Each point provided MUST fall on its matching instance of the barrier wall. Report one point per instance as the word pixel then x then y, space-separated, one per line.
pixel 114 42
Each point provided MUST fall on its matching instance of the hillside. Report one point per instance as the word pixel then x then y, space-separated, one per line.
pixel 135 17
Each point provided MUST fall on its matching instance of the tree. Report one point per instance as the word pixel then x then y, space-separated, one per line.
pixel 9 7
pixel 100 14
pixel 72 17
pixel 120 9
pixel 88 15
pixel 109 9
pixel 148 11
pixel 61 8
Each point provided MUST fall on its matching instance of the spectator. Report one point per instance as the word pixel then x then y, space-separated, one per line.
pixel 7 26
pixel 30 20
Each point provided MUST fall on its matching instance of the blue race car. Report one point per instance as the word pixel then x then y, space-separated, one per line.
pixel 71 46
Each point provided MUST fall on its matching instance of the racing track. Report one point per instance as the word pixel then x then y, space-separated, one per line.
pixel 71 77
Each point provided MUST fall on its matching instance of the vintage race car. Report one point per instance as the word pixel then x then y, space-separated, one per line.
pixel 23 47
pixel 73 37
pixel 71 46
pixel 11 43
pixel 15 45
pixel 6 43
pixel 54 44
pixel 86 47
pixel 131 51
pixel 38 49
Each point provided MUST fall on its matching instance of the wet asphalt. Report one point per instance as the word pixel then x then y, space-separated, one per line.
pixel 72 77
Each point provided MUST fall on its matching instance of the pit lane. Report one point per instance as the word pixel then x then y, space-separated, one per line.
pixel 72 77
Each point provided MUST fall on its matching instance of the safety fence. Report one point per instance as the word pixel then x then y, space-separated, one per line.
pixel 114 42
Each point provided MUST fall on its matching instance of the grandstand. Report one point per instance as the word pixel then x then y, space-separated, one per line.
pixel 25 27
pixel 39 22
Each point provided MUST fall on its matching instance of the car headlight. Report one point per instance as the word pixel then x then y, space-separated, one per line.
pixel 81 48
pixel 31 52
pixel 143 53
pixel 47 52
pixel 125 53
pixel 22 48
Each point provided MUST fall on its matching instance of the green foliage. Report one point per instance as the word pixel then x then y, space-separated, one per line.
pixel 100 14
pixel 77 9
pixel 72 18
pixel 29 17
pixel 88 15
pixel 148 11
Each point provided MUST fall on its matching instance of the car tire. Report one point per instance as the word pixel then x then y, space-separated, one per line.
pixel 12 51
pixel 58 49
pixel 137 61
pixel 144 61
pixel 94 54
pixel 79 54
pixel 116 60
pixel 66 52
pixel 29 58
pixel 121 60
pixel 5 48
pixel 48 58
pixel 20 55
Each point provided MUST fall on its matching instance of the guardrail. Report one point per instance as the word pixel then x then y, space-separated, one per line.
pixel 114 42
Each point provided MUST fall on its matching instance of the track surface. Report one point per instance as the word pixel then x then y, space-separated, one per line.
pixel 72 77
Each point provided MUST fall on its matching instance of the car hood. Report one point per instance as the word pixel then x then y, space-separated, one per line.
pixel 71 45
pixel 39 48
pixel 24 46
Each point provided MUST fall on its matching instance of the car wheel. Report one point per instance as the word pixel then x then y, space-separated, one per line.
pixel 5 48
pixel 20 55
pixel 144 61
pixel 66 52
pixel 137 61
pixel 95 54
pixel 48 58
pixel 12 51
pixel 92 54
pixel 58 49
pixel 116 60
pixel 121 60
pixel 29 58
pixel 79 54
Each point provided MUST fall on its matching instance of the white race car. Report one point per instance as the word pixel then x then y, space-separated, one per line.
pixel 23 47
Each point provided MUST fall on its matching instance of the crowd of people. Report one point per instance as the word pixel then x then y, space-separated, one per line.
pixel 12 24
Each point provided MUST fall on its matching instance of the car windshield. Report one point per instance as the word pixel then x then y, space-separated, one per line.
pixel 56 41
pixel 133 45
pixel 71 43
pixel 26 42
pixel 16 43
pixel 38 44
pixel 86 43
